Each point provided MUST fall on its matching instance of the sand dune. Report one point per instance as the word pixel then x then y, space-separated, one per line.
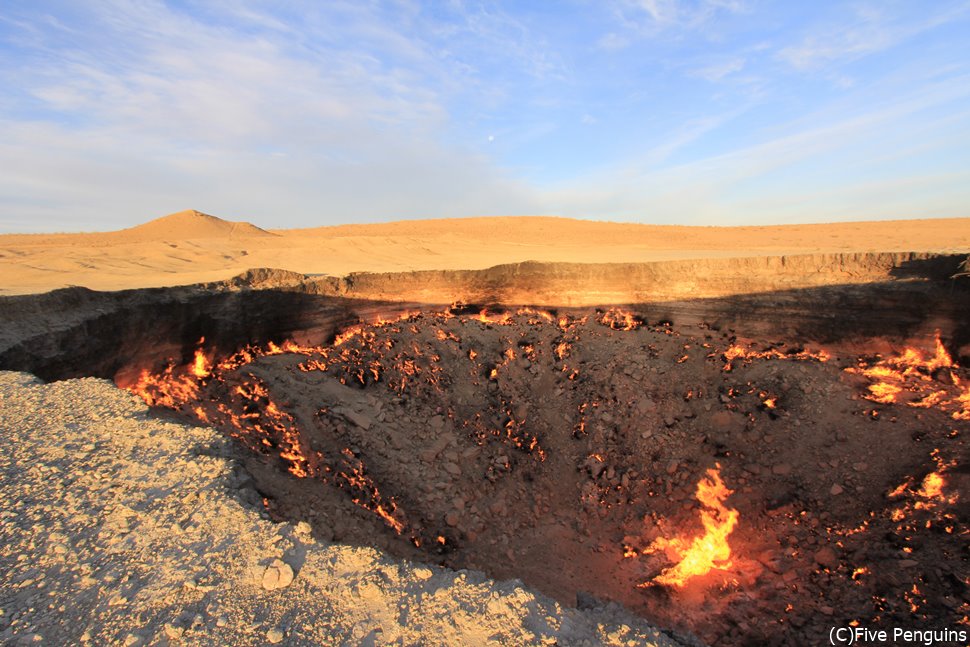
pixel 189 225
pixel 190 246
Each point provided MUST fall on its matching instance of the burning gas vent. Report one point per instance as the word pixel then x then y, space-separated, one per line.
pixel 745 491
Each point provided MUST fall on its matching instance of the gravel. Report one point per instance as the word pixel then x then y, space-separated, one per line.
pixel 122 528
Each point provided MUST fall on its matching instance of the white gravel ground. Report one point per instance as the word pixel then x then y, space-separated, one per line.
pixel 119 528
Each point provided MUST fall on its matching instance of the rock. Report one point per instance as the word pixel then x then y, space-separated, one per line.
pixel 726 421
pixel 423 573
pixel 274 636
pixel 826 557
pixel 781 469
pixel 277 575
pixel 361 420
pixel 672 467
pixel 173 632
pixel 586 600
pixel 836 490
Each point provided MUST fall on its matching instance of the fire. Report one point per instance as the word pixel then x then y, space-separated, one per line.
pixel 618 319
pixel 916 372
pixel 736 351
pixel 709 551
pixel 562 350
pixel 932 486
pixel 201 367
pixel 501 319
pixel 165 389
pixel 929 496
pixel 883 392
pixel 347 335
pixel 535 316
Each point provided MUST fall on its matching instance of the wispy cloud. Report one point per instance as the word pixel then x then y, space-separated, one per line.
pixel 719 70
pixel 789 176
pixel 650 16
pixel 868 29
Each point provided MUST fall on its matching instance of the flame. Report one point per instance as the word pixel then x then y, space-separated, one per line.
pixel 736 351
pixel 883 392
pixel 166 389
pixel 930 494
pixel 709 551
pixel 501 319
pixel 536 316
pixel 201 366
pixel 932 486
pixel 618 319
pixel 914 371
pixel 347 335
pixel 562 350
pixel 859 572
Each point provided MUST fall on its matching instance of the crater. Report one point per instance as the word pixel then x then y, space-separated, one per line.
pixel 751 467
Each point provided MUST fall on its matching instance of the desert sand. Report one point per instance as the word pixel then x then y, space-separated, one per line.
pixel 191 247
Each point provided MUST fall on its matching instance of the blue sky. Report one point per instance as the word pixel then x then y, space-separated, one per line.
pixel 302 113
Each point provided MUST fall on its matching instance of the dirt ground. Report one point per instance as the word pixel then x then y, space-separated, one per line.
pixel 560 448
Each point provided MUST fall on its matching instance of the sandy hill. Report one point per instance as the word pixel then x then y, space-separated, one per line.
pixel 189 225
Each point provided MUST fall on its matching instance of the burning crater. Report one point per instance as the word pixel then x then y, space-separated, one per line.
pixel 749 455
pixel 742 491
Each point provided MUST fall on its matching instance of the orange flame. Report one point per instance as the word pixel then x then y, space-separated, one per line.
pixel 201 366
pixel 914 371
pixel 736 351
pixel 710 550
pixel 618 319
pixel 932 486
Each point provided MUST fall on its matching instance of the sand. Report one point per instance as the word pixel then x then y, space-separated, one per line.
pixel 191 247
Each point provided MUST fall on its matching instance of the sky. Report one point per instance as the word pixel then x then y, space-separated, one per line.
pixel 300 113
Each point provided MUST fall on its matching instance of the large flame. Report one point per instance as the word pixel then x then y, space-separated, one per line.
pixel 709 551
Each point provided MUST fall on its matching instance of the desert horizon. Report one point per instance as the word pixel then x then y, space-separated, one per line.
pixel 191 247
